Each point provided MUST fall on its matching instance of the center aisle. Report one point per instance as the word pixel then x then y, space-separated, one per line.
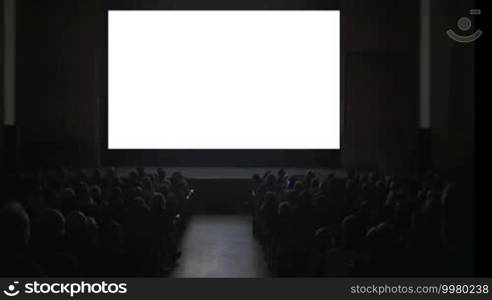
pixel 220 246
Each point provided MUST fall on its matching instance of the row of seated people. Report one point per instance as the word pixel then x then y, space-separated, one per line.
pixel 363 225
pixel 91 223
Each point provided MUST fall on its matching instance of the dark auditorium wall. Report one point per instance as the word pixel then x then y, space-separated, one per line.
pixel 453 103
pixel 380 93
pixel 57 94
pixel 2 145
pixel 380 89
pixel 57 104
pixel 57 85
pixel 453 91
pixel 380 43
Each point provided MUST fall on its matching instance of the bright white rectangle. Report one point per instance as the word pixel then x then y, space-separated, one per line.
pixel 223 80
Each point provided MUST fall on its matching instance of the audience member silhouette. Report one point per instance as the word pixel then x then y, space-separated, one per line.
pixel 99 223
pixel 364 224
pixel 67 223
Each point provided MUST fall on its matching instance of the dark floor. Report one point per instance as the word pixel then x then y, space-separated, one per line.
pixel 220 246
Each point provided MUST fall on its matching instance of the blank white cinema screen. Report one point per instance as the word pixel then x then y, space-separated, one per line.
pixel 223 80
